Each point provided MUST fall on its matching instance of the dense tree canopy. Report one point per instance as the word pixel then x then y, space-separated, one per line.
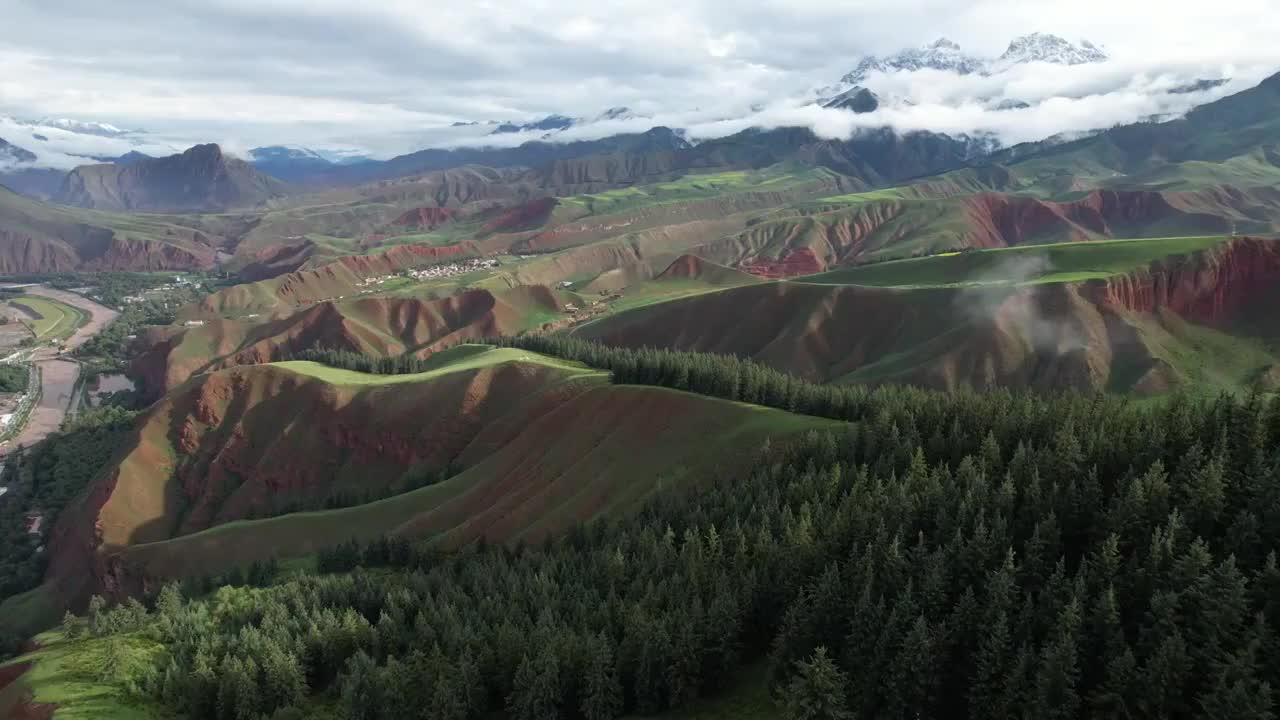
pixel 960 556
pixel 42 480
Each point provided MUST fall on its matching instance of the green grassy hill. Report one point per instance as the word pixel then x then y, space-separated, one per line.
pixel 236 466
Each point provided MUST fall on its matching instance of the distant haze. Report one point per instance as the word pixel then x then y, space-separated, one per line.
pixel 392 77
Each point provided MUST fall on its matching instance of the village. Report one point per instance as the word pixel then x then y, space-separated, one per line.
pixel 434 272
pixel 178 283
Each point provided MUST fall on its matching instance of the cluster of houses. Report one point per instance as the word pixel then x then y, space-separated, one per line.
pixel 178 283
pixel 449 270
pixel 435 272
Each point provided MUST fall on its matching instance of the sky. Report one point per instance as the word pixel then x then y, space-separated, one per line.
pixel 394 76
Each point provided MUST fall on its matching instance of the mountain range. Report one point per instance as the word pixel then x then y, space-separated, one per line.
pixel 947 56
pixel 775 423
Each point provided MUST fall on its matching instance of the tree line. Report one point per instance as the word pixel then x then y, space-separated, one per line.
pixel 1004 555
pixel 360 362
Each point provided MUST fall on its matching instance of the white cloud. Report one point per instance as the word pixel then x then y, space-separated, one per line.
pixel 392 77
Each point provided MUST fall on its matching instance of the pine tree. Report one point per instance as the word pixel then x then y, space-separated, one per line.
pixel 70 625
pixel 536 691
pixel 601 691
pixel 170 601
pixel 817 691
pixel 1059 671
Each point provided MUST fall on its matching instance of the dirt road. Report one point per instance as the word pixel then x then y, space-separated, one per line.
pixel 59 376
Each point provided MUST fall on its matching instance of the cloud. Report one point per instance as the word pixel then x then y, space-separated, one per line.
pixel 392 77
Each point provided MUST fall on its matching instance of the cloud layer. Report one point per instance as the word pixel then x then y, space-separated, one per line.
pixel 392 77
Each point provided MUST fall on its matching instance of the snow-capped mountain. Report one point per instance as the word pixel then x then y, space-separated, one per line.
pixel 1043 47
pixel 946 55
pixel 100 129
pixel 552 124
pixel 941 55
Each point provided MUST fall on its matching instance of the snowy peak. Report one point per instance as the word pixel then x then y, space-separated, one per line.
pixel 100 129
pixel 942 54
pixel 1043 47
pixel 945 55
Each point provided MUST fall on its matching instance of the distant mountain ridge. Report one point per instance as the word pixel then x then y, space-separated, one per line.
pixel 200 179
pixel 100 129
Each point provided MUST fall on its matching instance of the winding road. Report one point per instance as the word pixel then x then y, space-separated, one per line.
pixel 58 375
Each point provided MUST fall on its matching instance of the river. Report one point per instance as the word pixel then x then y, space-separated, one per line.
pixel 58 374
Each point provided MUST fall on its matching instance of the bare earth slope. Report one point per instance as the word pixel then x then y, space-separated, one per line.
pixel 38 237
pixel 382 326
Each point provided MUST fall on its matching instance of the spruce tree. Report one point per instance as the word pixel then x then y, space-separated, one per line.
pixel 601 691
pixel 817 691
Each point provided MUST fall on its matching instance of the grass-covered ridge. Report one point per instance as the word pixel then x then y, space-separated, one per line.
pixel 1055 263
pixel 457 359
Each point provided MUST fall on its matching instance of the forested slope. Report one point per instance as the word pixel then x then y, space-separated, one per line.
pixel 942 555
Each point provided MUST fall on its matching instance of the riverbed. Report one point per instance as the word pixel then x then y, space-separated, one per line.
pixel 58 374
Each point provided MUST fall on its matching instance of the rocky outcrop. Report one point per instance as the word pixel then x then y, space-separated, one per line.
pixel 97 249
pixel 22 253
pixel 1208 286
pixel 148 255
